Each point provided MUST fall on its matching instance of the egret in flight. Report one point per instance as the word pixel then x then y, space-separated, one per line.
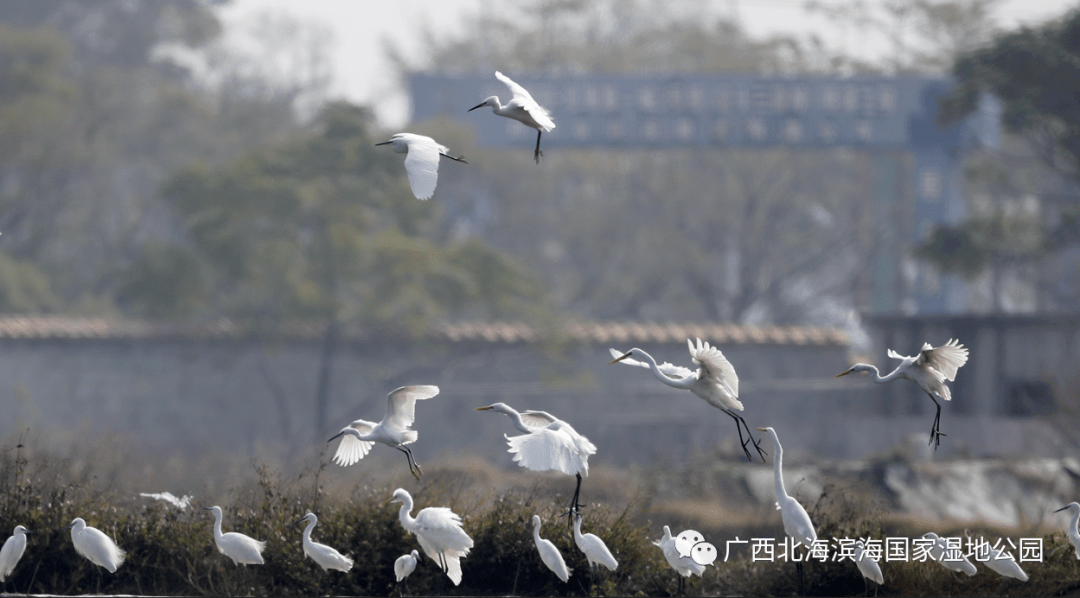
pixel 1071 532
pixel 549 553
pixel 323 555
pixel 548 443
pixel 12 551
pixel 797 522
pixel 522 108
pixel 422 161
pixel 97 547
pixel 684 566
pixel 715 382
pixel 439 531
pixel 929 369
pixel 956 562
pixel 393 431
pixel 404 566
pixel 868 567
pixel 243 550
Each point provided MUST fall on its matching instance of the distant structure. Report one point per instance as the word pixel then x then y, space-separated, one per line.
pixel 915 181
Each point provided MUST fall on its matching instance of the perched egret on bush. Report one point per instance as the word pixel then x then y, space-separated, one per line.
pixel 929 369
pixel 522 108
pixel 715 382
pixel 12 551
pixel 243 550
pixel 422 161
pixel 93 544
pixel 797 522
pixel 683 565
pixel 1005 566
pixel 1071 532
pixel 594 548
pixel 404 566
pixel 393 431
pixel 549 553
pixel 956 562
pixel 548 443
pixel 323 555
pixel 439 532
pixel 868 567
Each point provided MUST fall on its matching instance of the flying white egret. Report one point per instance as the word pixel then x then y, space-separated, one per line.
pixel 929 369
pixel 439 532
pixel 12 551
pixel 684 566
pixel 1073 533
pixel 549 553
pixel 393 431
pixel 797 522
pixel 422 161
pixel 956 563
pixel 715 382
pixel 548 443
pixel 594 548
pixel 323 555
pixel 868 567
pixel 93 544
pixel 243 550
pixel 404 566
pixel 522 108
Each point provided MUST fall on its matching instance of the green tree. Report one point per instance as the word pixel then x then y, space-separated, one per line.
pixel 319 229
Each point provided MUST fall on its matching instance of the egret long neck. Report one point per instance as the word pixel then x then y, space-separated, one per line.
pixel 407 521
pixel 217 527
pixel 683 384
pixel 1073 531
pixel 778 457
pixel 577 530
pixel 876 376
pixel 307 531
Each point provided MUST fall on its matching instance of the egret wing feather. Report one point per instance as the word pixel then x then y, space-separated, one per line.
pixel 537 419
pixel 716 365
pixel 401 405
pixel 894 355
pixel 350 449
pixel 525 100
pixel 545 450
pixel 422 166
pixel 10 554
pixel 946 359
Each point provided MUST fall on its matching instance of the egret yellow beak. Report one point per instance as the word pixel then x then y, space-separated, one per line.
pixel 843 373
pixel 488 408
pixel 619 359
pixel 762 430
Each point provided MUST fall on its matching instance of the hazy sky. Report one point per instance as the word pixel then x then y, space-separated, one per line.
pixel 358 29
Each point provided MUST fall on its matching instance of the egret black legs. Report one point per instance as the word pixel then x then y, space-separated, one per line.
pixel 740 423
pixel 538 153
pixel 574 505
pixel 935 431
pixel 414 467
pixel 798 574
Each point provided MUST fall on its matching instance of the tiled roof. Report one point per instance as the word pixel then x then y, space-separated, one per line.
pixel 75 328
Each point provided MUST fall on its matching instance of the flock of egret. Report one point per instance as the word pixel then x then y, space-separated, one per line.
pixel 548 443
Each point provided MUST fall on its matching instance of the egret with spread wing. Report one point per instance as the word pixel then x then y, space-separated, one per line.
pixel 715 382
pixel 683 565
pixel 522 108
pixel 797 522
pixel 929 369
pixel 548 443
pixel 393 431
pixel 422 161
pixel 439 531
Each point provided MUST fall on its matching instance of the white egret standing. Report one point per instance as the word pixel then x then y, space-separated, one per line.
pixel 404 566
pixel 393 431
pixel 98 548
pixel 548 443
pixel 243 550
pixel 684 566
pixel 868 567
pixel 522 108
pixel 594 548
pixel 929 369
pixel 1006 567
pixel 439 532
pixel 323 555
pixel 797 522
pixel 549 553
pixel 1072 532
pixel 955 563
pixel 422 161
pixel 12 551
pixel 715 382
